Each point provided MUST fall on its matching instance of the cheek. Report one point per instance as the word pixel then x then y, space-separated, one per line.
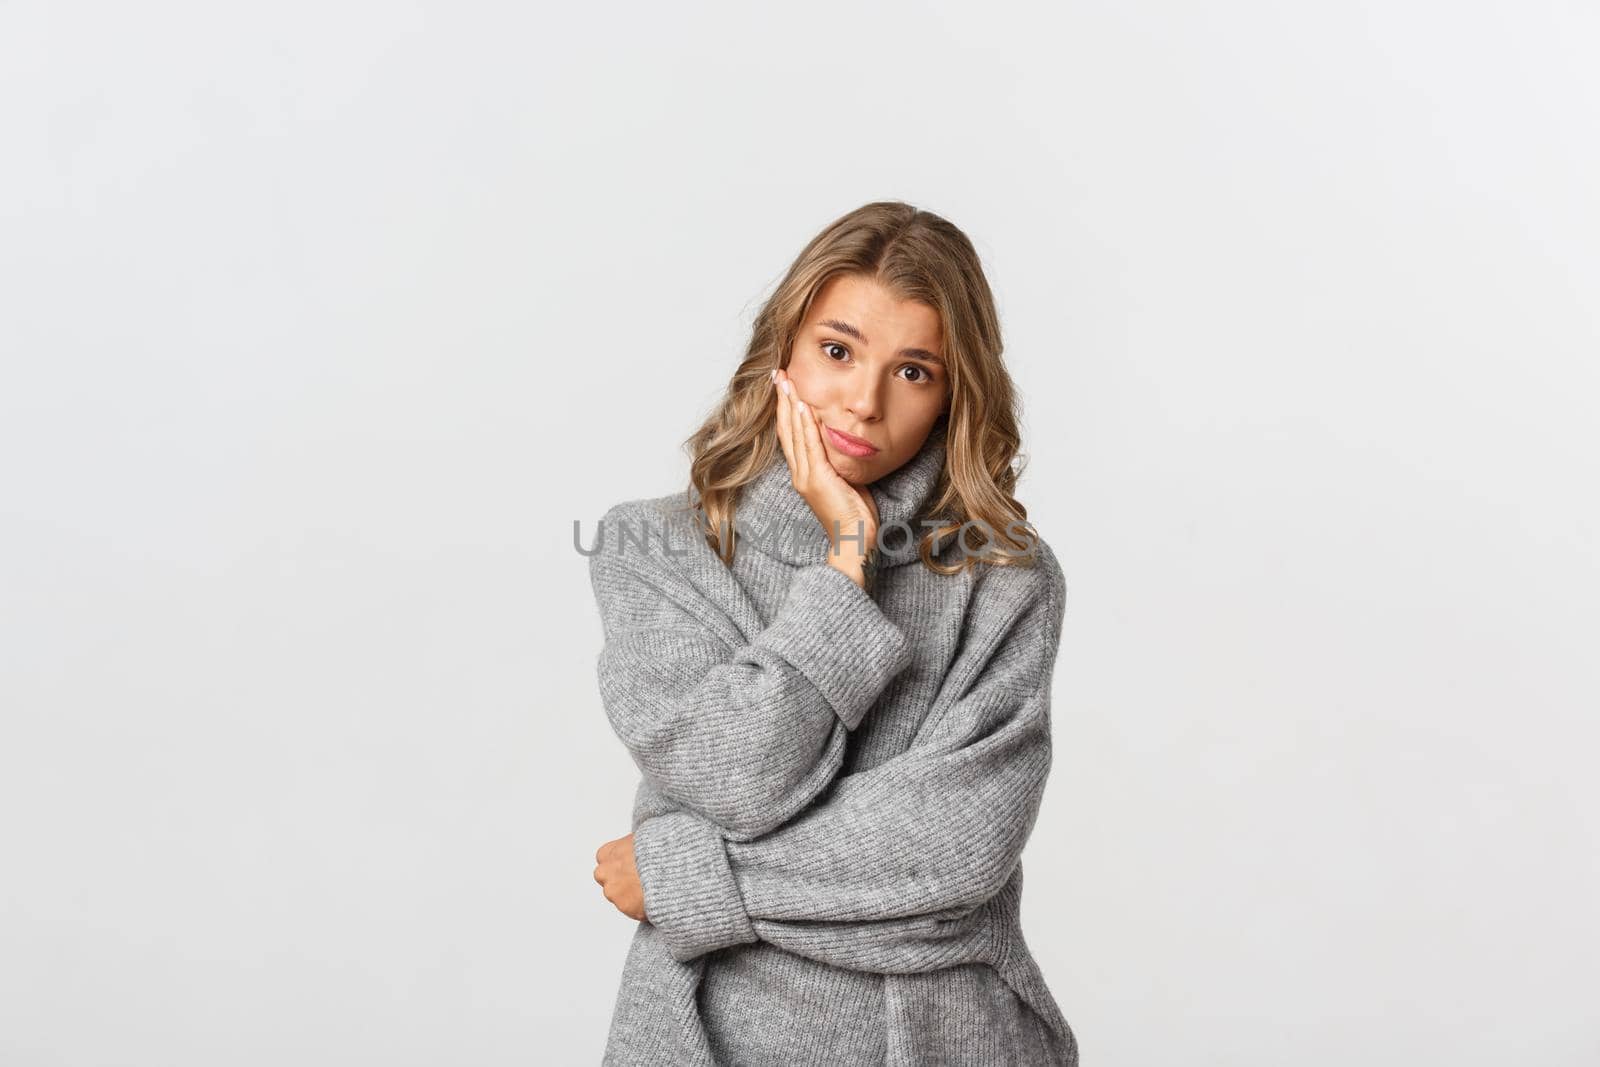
pixel 913 421
pixel 813 388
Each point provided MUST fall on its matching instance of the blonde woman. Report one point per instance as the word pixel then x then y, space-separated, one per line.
pixel 831 660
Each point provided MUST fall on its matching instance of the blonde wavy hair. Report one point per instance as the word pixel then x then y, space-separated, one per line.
pixel 916 255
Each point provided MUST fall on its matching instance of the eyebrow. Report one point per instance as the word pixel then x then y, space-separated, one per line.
pixel 909 353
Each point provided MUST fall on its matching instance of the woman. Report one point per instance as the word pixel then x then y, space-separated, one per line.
pixel 833 668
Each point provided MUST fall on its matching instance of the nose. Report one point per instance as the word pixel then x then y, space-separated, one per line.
pixel 865 399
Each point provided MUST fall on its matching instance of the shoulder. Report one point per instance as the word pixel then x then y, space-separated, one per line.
pixel 1013 599
pixel 649 563
pixel 650 515
pixel 1033 582
pixel 647 509
pixel 655 533
pixel 1048 576
pixel 1012 620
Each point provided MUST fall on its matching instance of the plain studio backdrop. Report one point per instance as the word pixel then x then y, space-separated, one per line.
pixel 323 323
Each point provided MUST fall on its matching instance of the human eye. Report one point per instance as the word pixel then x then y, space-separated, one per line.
pixel 834 344
pixel 924 378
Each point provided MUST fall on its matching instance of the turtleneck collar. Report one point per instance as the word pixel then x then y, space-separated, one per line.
pixel 775 519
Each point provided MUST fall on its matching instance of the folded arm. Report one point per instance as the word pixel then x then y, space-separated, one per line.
pixel 902 853
pixel 741 733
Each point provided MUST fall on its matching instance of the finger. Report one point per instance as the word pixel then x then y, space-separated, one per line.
pixel 797 432
pixel 813 436
pixel 782 421
pixel 816 453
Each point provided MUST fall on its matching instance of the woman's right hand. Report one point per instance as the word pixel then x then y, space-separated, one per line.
pixel 847 512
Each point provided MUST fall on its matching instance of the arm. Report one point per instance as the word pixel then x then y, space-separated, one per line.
pixel 897 857
pixel 742 733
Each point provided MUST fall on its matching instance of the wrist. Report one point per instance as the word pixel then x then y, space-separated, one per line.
pixel 859 567
pixel 850 565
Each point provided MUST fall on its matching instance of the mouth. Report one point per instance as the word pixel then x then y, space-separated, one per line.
pixel 849 444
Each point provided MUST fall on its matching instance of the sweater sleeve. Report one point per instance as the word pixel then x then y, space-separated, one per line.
pixel 743 733
pixel 892 856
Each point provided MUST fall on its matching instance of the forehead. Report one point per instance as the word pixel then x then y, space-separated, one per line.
pixel 886 319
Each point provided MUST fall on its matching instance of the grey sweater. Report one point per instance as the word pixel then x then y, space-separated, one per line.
pixel 836 788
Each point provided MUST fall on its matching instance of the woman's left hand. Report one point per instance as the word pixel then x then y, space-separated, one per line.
pixel 619 877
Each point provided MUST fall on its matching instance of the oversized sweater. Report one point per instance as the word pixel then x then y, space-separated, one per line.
pixel 836 787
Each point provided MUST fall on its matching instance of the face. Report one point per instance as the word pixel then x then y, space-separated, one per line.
pixel 870 365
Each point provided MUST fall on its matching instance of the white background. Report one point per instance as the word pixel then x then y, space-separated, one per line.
pixel 322 323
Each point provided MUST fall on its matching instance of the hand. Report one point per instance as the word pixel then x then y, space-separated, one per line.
pixel 619 877
pixel 845 510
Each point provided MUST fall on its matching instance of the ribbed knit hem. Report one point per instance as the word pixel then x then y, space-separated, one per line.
pixel 838 637
pixel 689 891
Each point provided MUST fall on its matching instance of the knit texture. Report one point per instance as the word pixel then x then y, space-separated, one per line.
pixel 836 787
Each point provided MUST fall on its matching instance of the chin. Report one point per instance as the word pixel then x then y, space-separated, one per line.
pixel 862 471
pixel 849 467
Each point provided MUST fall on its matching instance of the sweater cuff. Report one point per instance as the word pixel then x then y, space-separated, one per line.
pixel 689 891
pixel 838 637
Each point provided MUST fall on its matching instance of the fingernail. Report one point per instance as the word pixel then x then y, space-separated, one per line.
pixel 800 406
pixel 774 375
pixel 784 385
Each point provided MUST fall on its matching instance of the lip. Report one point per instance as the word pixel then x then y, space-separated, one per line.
pixel 850 445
